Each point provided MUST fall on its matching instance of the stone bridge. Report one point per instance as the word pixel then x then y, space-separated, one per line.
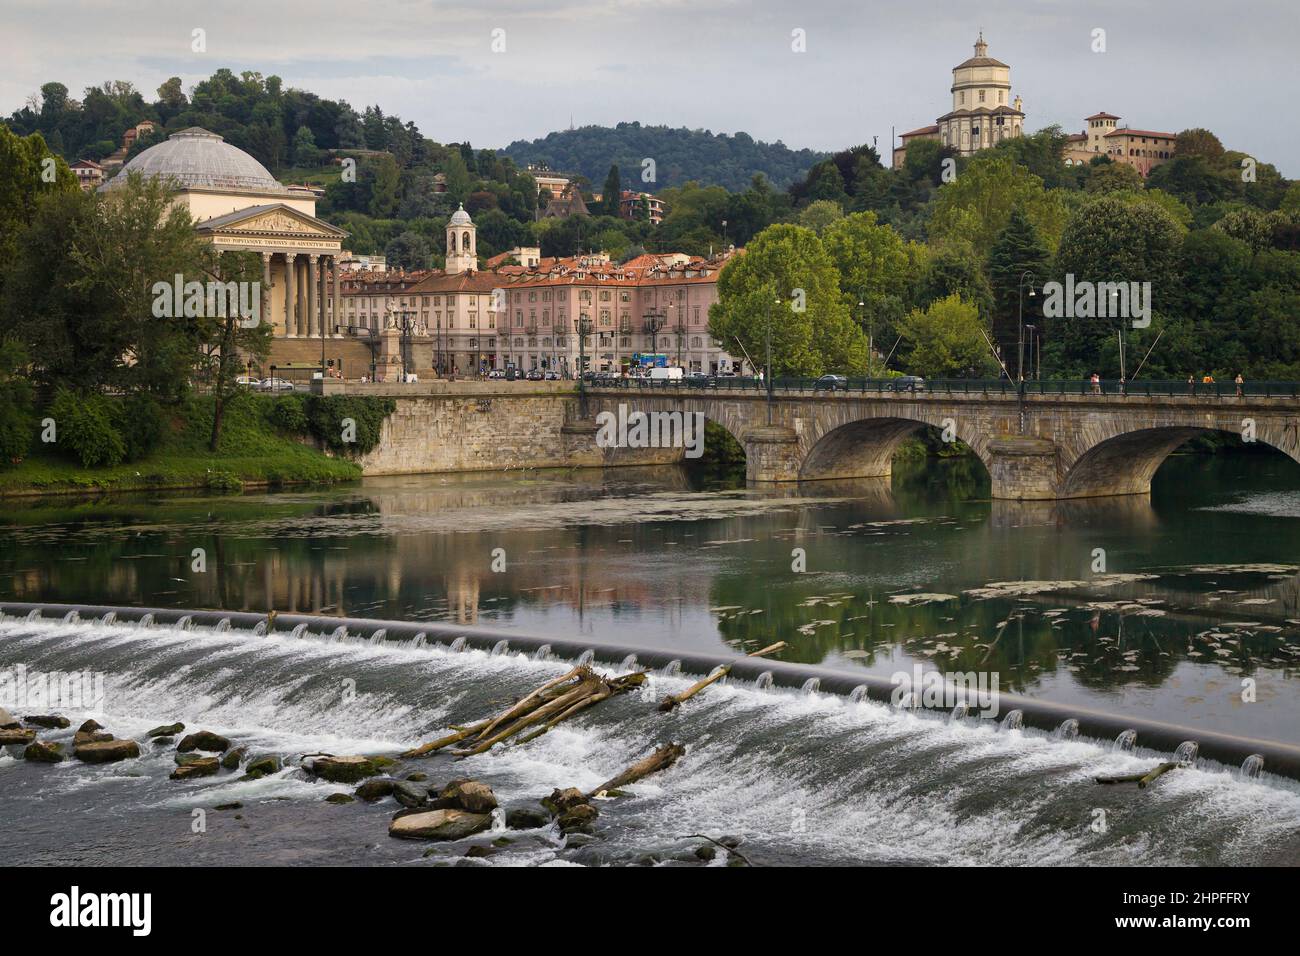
pixel 1035 446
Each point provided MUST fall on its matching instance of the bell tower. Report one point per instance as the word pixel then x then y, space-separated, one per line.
pixel 462 243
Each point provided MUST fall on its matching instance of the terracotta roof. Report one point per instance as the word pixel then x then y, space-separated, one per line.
pixel 920 132
pixel 1140 132
pixel 1101 116
pixel 980 61
pixel 458 282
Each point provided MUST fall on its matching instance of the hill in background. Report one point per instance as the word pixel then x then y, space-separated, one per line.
pixel 680 155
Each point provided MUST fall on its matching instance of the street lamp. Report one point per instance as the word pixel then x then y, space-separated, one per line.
pixel 1020 351
pixel 775 301
pixel 584 329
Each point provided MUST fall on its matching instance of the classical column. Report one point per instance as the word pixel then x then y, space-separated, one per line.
pixel 313 314
pixel 338 292
pixel 290 288
pixel 324 294
pixel 265 293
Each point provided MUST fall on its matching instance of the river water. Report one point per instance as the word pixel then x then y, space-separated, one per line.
pixel 1157 608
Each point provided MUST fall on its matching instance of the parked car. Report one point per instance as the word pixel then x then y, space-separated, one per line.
pixel 248 381
pixel 831 383
pixel 534 375
pixel 276 385
pixel 496 373
pixel 552 375
pixel 907 383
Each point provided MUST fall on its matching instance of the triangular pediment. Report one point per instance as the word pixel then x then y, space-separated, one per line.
pixel 275 219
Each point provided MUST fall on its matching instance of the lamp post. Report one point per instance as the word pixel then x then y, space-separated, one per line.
pixel 1020 350
pixel 768 374
pixel 1114 301
pixel 584 329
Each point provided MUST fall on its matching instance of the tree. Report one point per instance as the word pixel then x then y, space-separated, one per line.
pixel 613 192
pixel 1017 251
pixel 947 340
pixel 1111 177
pixel 29 171
pixel 820 214
pixel 229 338
pixel 787 275
pixel 977 205
pixel 409 250
pixel 305 152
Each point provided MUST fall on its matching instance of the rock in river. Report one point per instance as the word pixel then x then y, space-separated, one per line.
pixel 376 789
pixel 526 818
pixel 48 721
pixel 7 721
pixel 342 769
pixel 196 767
pixel 167 730
pixel 20 738
pixel 107 751
pixel 41 751
pixel 470 795
pixel 439 825
pixel 204 740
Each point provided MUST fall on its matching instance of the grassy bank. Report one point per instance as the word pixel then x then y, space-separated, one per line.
pixel 256 450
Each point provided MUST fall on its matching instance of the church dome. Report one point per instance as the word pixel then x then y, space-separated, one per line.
pixel 460 217
pixel 197 159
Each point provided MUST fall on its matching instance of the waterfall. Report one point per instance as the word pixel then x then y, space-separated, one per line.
pixel 1252 767
pixel 959 713
pixel 811 686
pixel 907 701
pixel 379 636
pixel 500 647
pixel 34 614
pixel 1125 741
pixel 108 618
pixel 1186 753
pixel 586 657
pixel 858 694
pixel 222 625
pixel 186 621
pixel 259 629
pixel 298 631
pixel 146 621
pixel 339 634
pixel 1014 720
pixel 629 663
pixel 419 639
pixel 72 617
pixel 672 669
pixel 763 681
pixel 456 647
pixel 1067 729
pixel 542 653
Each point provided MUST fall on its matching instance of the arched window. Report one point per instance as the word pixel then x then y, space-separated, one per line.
pixel 464 241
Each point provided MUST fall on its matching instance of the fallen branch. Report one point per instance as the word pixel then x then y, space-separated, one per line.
pixel 661 759
pixel 673 700
pixel 1141 779
pixel 461 733
pixel 730 849
pixel 1157 772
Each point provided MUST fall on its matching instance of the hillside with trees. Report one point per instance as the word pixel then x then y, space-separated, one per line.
pixel 680 156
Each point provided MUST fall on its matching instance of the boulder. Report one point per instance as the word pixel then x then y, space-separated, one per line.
pixel 343 769
pixel 196 767
pixel 561 800
pixel 83 737
pixel 263 765
pixel 41 751
pixel 48 721
pixel 232 758
pixel 168 730
pixel 184 760
pixel 19 738
pixel 7 721
pixel 470 795
pixel 578 818
pixel 526 818
pixel 107 751
pixel 161 742
pixel 340 798
pixel 707 853
pixel 439 825
pixel 481 851
pixel 89 727
pixel 410 794
pixel 204 740
pixel 375 789
pixel 417 777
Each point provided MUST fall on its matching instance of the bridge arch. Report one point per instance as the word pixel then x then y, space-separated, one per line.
pixel 864 447
pixel 1124 463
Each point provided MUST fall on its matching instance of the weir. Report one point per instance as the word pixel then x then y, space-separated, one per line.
pixel 1015 711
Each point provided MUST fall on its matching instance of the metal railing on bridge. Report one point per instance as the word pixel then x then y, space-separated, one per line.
pixel 1153 388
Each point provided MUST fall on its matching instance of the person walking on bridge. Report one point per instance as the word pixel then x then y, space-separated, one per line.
pixel 1240 382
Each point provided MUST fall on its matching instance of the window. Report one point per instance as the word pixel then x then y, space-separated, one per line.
pixel 981 96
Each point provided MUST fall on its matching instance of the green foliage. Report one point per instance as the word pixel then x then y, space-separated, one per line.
pixel 85 428
pixel 946 340
pixel 142 422
pixel 681 155
pixel 977 206
pixel 1018 263
pixel 289 413
pixel 17 414
pixel 328 417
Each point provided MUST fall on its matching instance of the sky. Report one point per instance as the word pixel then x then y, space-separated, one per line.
pixel 721 65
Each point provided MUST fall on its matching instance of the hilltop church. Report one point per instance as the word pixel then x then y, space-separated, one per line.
pixel 983 112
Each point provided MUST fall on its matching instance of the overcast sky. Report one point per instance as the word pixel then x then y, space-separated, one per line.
pixel 723 65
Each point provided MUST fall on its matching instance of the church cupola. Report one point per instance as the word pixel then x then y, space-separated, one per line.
pixel 981 48
pixel 462 243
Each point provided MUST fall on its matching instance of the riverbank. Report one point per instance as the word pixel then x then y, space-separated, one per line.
pixel 260 447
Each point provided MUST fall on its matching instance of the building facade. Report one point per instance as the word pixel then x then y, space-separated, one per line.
pixel 1142 149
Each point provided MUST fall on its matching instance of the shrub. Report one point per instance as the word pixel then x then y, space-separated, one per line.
pixel 327 414
pixel 17 411
pixel 85 430
pixel 221 480
pixel 142 423
pixel 289 414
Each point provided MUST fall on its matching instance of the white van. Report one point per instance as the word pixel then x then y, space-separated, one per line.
pixel 668 374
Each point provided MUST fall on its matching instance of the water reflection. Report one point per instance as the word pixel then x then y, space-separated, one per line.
pixel 1188 599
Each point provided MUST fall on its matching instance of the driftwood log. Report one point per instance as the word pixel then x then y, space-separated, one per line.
pixel 1141 779
pixel 663 758
pixel 555 701
pixel 673 700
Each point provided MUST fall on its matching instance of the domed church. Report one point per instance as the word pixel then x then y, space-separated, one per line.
pixel 237 205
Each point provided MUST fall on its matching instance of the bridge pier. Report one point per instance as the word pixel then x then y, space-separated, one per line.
pixel 772 453
pixel 1022 468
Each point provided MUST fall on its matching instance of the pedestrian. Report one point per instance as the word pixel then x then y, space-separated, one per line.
pixel 1191 384
pixel 1123 385
pixel 1240 382
pixel 1096 384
